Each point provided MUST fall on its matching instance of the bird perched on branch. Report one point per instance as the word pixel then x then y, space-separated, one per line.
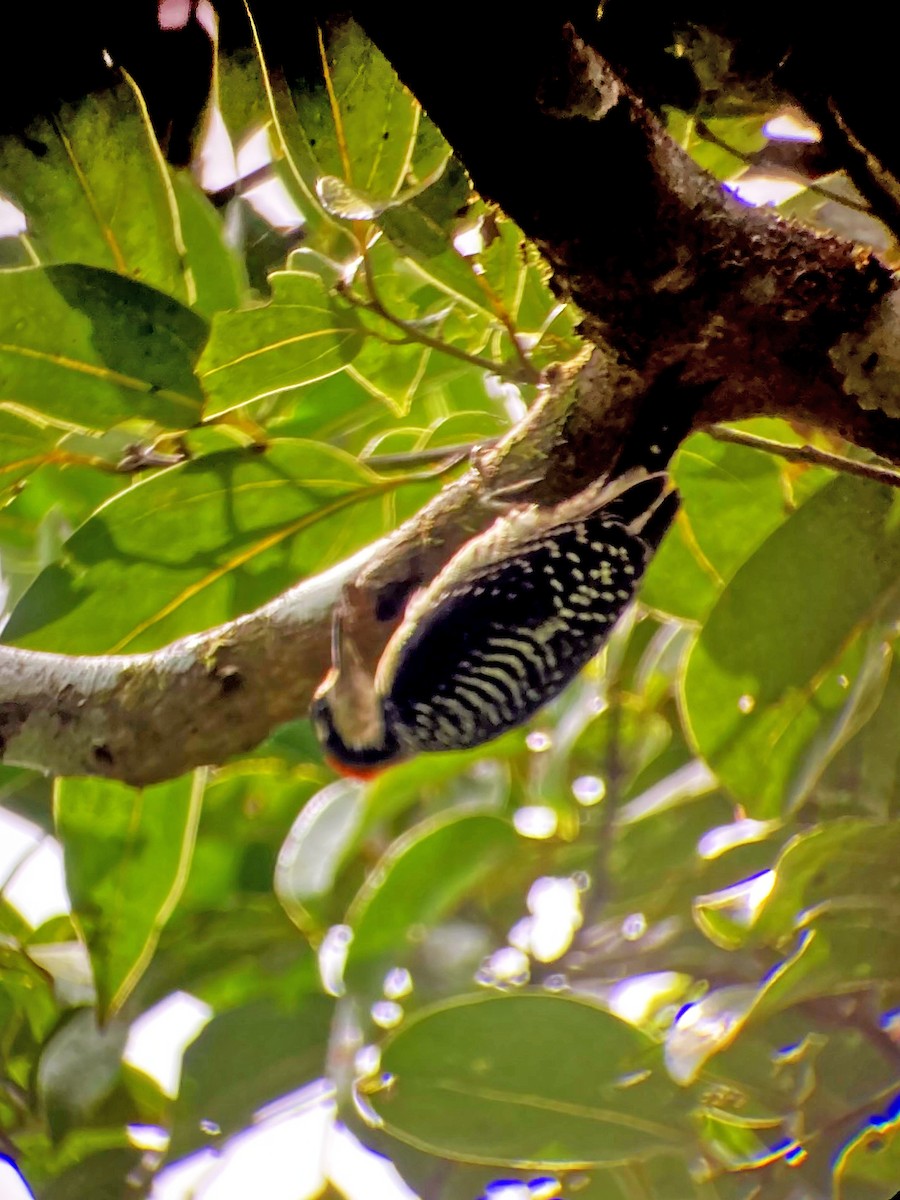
pixel 501 630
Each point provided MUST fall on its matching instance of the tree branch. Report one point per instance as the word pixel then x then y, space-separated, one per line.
pixel 694 302
pixel 807 454
pixel 673 272
pixel 146 717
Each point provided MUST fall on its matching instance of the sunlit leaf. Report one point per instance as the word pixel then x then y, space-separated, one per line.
pixel 302 335
pixel 390 372
pixel 127 854
pixel 711 148
pixel 89 347
pixel 197 544
pixel 26 441
pixel 423 227
pixel 218 272
pixel 95 189
pixel 366 132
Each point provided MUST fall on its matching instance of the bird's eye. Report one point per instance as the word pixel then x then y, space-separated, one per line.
pixel 319 720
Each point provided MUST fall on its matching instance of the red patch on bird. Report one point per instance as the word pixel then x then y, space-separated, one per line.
pixel 352 772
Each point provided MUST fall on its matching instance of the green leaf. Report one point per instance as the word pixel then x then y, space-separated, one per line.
pixel 843 952
pixel 496 1080
pixel 90 348
pixel 26 442
pixel 515 280
pixel 744 134
pixel 28 1007
pixel 844 864
pixel 95 189
pixel 867 771
pixel 424 876
pixel 733 498
pixel 127 853
pixel 219 274
pixel 251 99
pixel 102 1177
pixel 378 118
pixel 339 411
pixel 424 225
pixel 767 678
pixel 391 373
pixel 79 1069
pixel 837 882
pixel 316 848
pixel 388 366
pixel 868 1164
pixel 198 544
pixel 302 335
pixel 244 1059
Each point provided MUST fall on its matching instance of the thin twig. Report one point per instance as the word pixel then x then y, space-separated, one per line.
pixel 504 317
pixel 240 186
pixel 806 454
pixel 374 305
pixel 434 454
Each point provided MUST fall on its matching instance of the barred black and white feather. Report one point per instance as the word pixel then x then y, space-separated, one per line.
pixel 508 622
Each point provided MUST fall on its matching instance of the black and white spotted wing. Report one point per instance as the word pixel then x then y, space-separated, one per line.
pixel 495 650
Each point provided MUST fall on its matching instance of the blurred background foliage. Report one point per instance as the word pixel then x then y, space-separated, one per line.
pixel 648 946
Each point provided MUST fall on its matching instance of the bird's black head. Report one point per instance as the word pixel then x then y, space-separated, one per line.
pixel 357 760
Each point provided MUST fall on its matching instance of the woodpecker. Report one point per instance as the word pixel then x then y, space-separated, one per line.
pixel 502 629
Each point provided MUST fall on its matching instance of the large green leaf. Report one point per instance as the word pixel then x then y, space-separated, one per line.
pixel 421 878
pixel 529 1080
pixel 198 544
pixel 733 498
pixel 243 1060
pixel 377 117
pixel 767 681
pixel 127 854
pixel 91 348
pixel 95 189
pixel 252 100
pixel 362 134
pixel 302 335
